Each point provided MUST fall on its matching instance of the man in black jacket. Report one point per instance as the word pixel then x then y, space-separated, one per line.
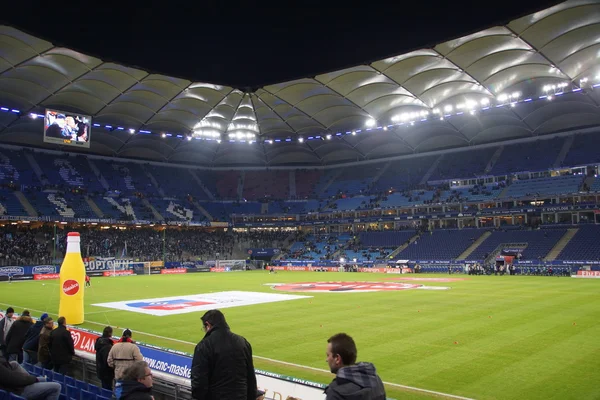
pixel 136 383
pixel 103 344
pixel 16 337
pixel 62 348
pixel 15 379
pixel 353 381
pixel 5 325
pixel 32 340
pixel 222 367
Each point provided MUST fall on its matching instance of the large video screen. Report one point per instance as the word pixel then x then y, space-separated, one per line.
pixel 67 128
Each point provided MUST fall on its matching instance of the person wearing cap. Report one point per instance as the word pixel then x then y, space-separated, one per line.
pixel 5 325
pixel 43 355
pixel 62 348
pixel 123 354
pixel 32 339
pixel 16 337
pixel 222 367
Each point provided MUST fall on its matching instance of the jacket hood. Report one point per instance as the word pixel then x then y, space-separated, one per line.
pixel 363 374
pixel 25 318
pixel 217 327
pixel 103 341
pixel 125 388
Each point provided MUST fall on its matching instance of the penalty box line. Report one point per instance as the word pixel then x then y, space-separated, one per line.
pixel 416 389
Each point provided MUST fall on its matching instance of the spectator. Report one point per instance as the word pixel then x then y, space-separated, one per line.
pixel 105 372
pixel 352 381
pixel 136 383
pixel 16 337
pixel 62 348
pixel 43 355
pixel 32 340
pixel 123 354
pixel 14 379
pixel 5 325
pixel 222 366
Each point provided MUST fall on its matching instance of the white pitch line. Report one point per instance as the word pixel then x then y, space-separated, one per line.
pixel 416 389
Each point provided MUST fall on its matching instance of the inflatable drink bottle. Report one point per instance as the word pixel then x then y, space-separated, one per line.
pixel 72 278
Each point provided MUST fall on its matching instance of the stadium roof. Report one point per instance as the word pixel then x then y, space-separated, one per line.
pixel 530 77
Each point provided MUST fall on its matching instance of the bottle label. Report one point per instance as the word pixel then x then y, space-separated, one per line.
pixel 70 287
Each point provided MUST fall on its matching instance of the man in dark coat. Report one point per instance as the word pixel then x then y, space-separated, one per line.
pixel 5 325
pixel 32 340
pixel 16 337
pixel 222 366
pixel 136 383
pixel 15 379
pixel 103 344
pixel 352 381
pixel 44 344
pixel 62 348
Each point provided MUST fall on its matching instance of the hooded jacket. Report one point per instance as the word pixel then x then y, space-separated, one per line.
pixel 16 336
pixel 132 390
pixel 13 379
pixel 103 346
pixel 356 382
pixel 222 367
pixel 32 337
pixel 122 355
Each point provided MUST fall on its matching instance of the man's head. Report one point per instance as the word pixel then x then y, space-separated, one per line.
pixel 10 312
pixel 43 317
pixel 62 321
pixel 341 352
pixel 212 318
pixel 127 333
pixel 107 332
pixel 48 323
pixel 139 371
pixel 25 313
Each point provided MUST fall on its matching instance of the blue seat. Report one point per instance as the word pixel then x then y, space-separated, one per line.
pixel 49 374
pixel 95 389
pixel 3 395
pixel 73 392
pixel 69 381
pixel 15 397
pixel 62 397
pixel 56 377
pixel 28 367
pixel 37 370
pixel 82 385
pixel 106 393
pixel 104 398
pixel 85 395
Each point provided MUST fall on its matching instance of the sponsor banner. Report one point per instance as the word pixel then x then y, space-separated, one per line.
pixel 173 271
pixel 155 264
pixel 354 287
pixel 44 269
pixel 83 340
pixel 12 271
pixel 219 269
pixel 198 302
pixel 22 277
pixel 201 269
pixel 232 264
pixel 263 252
pixel 278 386
pixel 118 273
pixel 155 272
pixel 44 277
pixel 95 273
pixel 106 264
pixel 588 273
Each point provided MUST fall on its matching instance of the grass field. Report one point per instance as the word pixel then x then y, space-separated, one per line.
pixel 486 338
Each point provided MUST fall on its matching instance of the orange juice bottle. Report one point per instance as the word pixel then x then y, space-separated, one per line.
pixel 72 278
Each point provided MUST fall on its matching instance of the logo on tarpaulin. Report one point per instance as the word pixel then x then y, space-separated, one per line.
pixel 70 287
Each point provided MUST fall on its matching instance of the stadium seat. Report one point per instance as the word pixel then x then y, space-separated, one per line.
pixel 48 373
pixel 104 398
pixel 95 389
pixel 85 395
pixel 69 381
pixel 28 367
pixel 62 397
pixel 15 397
pixel 81 385
pixel 106 393
pixel 3 395
pixel 73 392
pixel 37 370
pixel 60 378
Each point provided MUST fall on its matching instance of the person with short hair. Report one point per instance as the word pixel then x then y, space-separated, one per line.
pixel 16 337
pixel 14 379
pixel 352 381
pixel 43 355
pixel 62 348
pixel 105 372
pixel 222 367
pixel 123 354
pixel 136 382
pixel 5 325
pixel 32 340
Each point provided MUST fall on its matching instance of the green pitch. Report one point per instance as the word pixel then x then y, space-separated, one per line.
pixel 486 338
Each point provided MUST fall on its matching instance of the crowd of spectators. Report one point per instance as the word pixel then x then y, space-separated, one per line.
pixel 23 246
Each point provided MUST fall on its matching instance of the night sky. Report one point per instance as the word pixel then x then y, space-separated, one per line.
pixel 247 44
